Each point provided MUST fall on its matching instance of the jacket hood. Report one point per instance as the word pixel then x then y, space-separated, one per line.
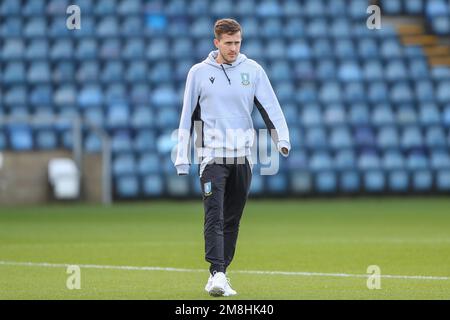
pixel 211 60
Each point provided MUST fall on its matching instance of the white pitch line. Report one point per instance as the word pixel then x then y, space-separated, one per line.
pixel 284 273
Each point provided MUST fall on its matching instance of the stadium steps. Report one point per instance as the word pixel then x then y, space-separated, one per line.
pixel 438 54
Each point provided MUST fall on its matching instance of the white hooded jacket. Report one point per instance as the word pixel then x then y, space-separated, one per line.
pixel 218 103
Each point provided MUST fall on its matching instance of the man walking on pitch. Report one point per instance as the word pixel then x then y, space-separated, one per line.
pixel 218 101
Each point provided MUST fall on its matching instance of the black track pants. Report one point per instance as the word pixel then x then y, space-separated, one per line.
pixel 225 190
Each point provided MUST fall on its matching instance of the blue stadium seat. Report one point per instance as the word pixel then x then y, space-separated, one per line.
pixel 37 49
pixel 435 137
pixel 110 49
pixel 418 68
pixel 443 180
pixel 64 72
pixel 46 140
pixel 294 27
pixel 65 96
pixel 378 92
pixel 127 186
pixel 124 164
pixel 21 138
pixel 41 95
pixel 322 48
pixel 12 27
pixel 349 181
pixel 121 141
pixel 326 69
pixel 406 115
pixel 94 116
pixel 422 180
pixel 429 115
pixel 152 185
pixel 14 72
pixel 134 49
pixel 118 116
pixel 398 181
pixel 177 185
pixel 276 49
pixel 368 49
pixel 297 161
pixel 417 161
pixel 396 70
pixel 440 160
pixel 88 72
pixel 383 115
pixel 369 161
pixel 401 92
pixel 201 27
pixel 359 114
pixel 442 92
pixel 316 138
pixel 349 71
pixel 393 160
pixel 364 137
pixel 39 72
pixel 116 93
pixel 148 163
pixel 89 96
pixel 411 138
pixel 344 49
pixel 130 7
pixel 317 27
pixel 320 161
pixel 92 143
pixel 165 144
pixel 341 138
pixel 161 73
pixel 298 50
pixel 374 181
pixel 86 49
pixel 344 160
pixel 387 138
pixel 301 182
pixel 112 72
pixel 280 71
pixel 144 140
pixel 140 94
pixel 245 8
pixel 355 92
pixel 326 182
pixel 424 91
pixel 107 27
pixel 10 7
pixel 13 49
pixel 330 92
pixel 105 7
pixel 35 27
pixel 277 184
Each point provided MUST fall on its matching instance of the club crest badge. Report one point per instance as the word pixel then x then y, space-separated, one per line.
pixel 207 189
pixel 245 79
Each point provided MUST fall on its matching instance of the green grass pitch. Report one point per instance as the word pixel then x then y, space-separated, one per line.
pixel 325 244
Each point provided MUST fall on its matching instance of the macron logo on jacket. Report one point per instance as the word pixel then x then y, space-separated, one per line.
pixel 217 107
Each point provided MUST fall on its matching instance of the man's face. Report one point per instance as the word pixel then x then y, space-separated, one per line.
pixel 229 46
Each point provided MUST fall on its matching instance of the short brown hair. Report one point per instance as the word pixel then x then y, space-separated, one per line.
pixel 228 26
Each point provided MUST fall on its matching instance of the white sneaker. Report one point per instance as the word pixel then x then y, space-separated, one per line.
pixel 228 290
pixel 218 284
pixel 209 283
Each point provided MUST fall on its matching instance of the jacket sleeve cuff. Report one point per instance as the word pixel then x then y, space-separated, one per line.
pixel 182 169
pixel 284 144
